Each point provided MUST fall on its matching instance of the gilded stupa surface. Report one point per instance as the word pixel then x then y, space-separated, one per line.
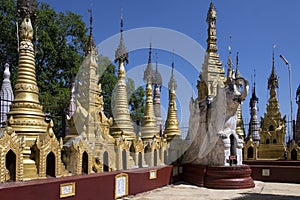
pixel 122 124
pixel 172 124
pixel 212 73
pixel 28 140
pixel 149 127
pixel 273 128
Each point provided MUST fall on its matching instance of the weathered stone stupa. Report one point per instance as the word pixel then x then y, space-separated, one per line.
pixel 7 95
pixel 253 138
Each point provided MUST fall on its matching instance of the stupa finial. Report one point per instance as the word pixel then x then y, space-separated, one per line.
pixel 121 54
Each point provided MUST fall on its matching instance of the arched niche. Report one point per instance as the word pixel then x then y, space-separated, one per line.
pixel 10 163
pixel 140 159
pixel 124 159
pixel 105 161
pixel 85 163
pixel 155 157
pixel 50 164
pixel 294 154
pixel 250 153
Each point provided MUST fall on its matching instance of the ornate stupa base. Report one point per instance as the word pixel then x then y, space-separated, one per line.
pixel 228 177
pixel 218 177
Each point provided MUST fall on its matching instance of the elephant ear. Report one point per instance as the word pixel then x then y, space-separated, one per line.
pixel 245 85
pixel 216 113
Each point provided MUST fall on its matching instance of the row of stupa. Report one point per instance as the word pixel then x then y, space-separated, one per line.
pixel 266 139
pixel 95 143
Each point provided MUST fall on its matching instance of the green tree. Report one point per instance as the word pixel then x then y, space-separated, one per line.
pixel 59 43
pixel 8 37
pixel 136 106
pixel 61 38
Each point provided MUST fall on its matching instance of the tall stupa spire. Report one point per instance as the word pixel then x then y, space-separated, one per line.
pixel 172 125
pixel 212 73
pixel 90 46
pixel 122 124
pixel 149 128
pixel 273 79
pixel 26 114
pixel 254 124
pixel 211 20
pixel 157 82
pixel 273 126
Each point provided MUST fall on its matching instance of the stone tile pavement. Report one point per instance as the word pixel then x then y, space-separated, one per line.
pixel 183 191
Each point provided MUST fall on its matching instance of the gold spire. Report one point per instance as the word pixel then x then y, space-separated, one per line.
pixel 211 21
pixel 273 106
pixel 273 79
pixel 26 116
pixel 122 124
pixel 212 73
pixel 149 128
pixel 172 125
pixel 240 123
pixel 273 125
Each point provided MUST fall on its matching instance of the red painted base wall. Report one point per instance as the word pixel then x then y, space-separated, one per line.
pixel 88 187
pixel 279 171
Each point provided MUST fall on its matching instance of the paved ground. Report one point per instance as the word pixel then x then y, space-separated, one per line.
pixel 262 190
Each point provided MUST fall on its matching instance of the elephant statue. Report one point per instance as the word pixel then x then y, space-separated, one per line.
pixel 212 125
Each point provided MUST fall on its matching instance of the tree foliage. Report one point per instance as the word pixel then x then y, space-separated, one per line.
pixel 8 36
pixel 61 38
pixel 59 46
pixel 136 105
pixel 59 41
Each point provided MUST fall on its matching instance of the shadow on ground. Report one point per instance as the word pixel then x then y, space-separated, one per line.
pixel 251 196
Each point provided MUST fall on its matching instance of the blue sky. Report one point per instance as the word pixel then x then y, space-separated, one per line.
pixel 254 26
